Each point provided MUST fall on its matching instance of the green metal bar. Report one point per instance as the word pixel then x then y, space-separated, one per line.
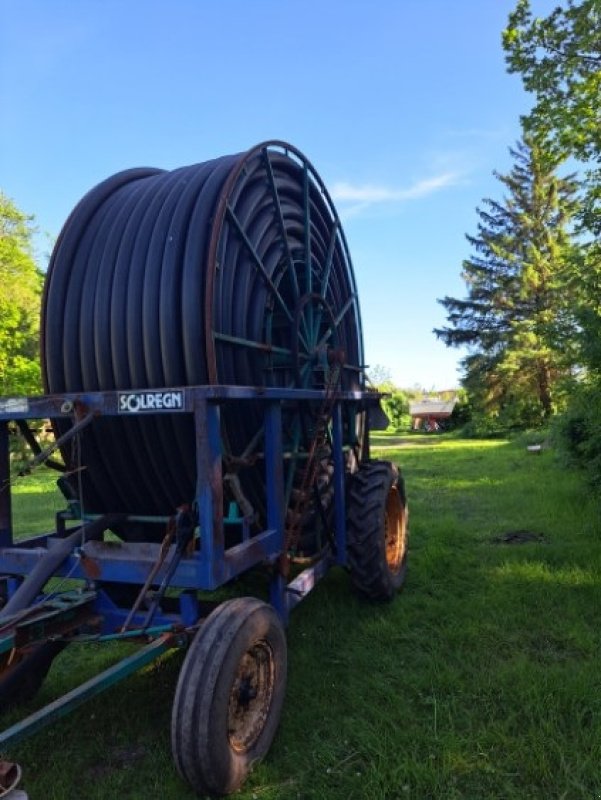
pixel 66 515
pixel 61 707
pixel 338 319
pixel 307 221
pixel 303 372
pixel 280 214
pixel 114 637
pixel 329 260
pixel 326 275
pixel 7 643
pixel 294 455
pixel 259 434
pixel 271 348
pixel 308 272
pixel 258 263
pixel 253 443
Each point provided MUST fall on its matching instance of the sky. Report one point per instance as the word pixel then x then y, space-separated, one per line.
pixel 404 107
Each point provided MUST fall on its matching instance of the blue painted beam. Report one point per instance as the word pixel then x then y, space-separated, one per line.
pixel 305 581
pixel 109 403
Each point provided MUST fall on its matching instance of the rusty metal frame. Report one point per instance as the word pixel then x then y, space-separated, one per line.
pixel 92 614
pixel 211 564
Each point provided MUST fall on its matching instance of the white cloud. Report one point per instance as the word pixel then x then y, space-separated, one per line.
pixel 367 194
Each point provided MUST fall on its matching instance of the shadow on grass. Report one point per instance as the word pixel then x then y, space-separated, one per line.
pixel 480 680
pixel 35 501
pixel 392 440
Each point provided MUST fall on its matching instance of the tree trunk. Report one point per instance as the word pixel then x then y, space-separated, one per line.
pixel 544 389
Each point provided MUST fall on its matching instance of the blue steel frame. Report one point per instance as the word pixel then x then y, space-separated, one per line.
pixel 211 565
pixel 208 568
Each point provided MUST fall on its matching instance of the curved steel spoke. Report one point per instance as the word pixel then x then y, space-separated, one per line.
pixel 253 443
pixel 338 319
pixel 329 259
pixel 259 433
pixel 257 261
pixel 307 243
pixel 307 221
pixel 280 216
pixel 283 234
pixel 304 370
pixel 326 274
pixel 302 337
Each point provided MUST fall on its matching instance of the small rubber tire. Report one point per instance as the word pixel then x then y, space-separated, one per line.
pixel 377 532
pixel 229 695
pixel 22 681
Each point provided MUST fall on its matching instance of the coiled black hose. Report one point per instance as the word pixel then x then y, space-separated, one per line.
pixel 233 271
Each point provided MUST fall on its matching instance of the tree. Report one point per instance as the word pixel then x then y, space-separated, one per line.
pixel 516 320
pixel 559 60
pixel 379 375
pixel 397 408
pixel 20 290
pixel 396 404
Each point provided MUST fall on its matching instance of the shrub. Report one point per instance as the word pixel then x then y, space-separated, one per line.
pixel 577 432
pixel 397 409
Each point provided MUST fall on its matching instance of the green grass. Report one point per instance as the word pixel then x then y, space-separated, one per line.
pixel 481 680
pixel 36 500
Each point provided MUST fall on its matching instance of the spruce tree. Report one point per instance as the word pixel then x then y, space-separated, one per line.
pixel 516 320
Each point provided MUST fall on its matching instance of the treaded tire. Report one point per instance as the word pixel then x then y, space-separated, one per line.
pixel 22 681
pixel 229 695
pixel 377 530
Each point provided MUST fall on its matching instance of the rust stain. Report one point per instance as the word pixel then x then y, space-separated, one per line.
pixel 91 567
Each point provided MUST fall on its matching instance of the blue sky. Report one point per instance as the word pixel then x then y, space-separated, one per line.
pixel 403 107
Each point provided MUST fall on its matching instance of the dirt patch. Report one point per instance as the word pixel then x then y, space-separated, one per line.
pixel 519 537
pixel 118 758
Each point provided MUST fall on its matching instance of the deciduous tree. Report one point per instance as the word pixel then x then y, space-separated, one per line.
pixel 20 289
pixel 559 60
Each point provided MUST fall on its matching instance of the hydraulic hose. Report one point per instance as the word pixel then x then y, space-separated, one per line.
pixel 47 566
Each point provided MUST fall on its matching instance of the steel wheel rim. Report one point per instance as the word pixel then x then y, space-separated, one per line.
pixel 251 696
pixel 395 531
pixel 287 253
pixel 293 273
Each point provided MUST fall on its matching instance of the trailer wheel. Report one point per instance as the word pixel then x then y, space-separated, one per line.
pixel 377 530
pixel 229 695
pixel 22 681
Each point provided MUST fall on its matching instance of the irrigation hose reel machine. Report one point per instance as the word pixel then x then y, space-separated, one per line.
pixel 203 369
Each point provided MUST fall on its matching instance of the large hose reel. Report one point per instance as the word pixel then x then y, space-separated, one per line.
pixel 233 271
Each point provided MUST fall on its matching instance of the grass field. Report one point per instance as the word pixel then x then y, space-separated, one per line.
pixel 481 680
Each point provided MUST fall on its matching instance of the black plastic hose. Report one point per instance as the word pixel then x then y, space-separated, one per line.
pixel 233 271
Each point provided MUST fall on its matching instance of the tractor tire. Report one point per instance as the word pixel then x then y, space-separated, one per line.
pixel 229 696
pixel 377 530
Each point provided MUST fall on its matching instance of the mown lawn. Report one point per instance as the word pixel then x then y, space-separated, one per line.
pixel 481 680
